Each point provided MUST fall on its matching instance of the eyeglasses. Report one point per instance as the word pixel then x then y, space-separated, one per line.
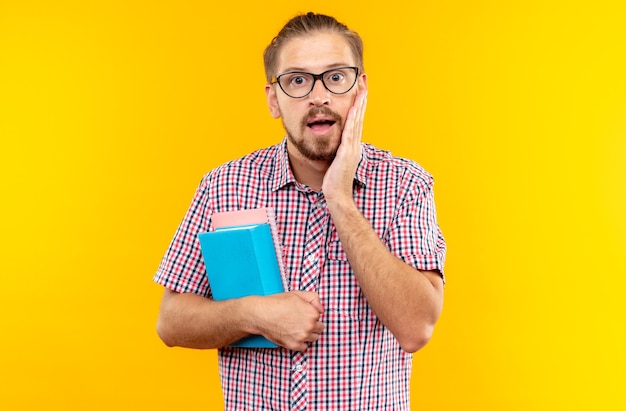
pixel 298 84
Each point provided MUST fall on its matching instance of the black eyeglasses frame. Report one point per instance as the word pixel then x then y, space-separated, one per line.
pixel 276 79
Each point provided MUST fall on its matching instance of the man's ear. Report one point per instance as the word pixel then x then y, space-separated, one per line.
pixel 272 100
pixel 362 83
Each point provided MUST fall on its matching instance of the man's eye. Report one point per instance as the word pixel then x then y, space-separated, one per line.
pixel 298 81
pixel 336 77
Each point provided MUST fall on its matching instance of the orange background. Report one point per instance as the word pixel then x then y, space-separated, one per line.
pixel 111 111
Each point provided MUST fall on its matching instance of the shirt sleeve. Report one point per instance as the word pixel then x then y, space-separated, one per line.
pixel 415 236
pixel 182 267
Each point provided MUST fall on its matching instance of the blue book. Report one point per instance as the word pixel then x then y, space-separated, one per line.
pixel 242 261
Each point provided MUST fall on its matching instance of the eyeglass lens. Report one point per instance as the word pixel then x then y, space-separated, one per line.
pixel 299 84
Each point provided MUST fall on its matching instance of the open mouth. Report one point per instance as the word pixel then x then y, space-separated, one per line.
pixel 320 123
pixel 320 126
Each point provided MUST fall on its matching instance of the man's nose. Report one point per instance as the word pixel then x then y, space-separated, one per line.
pixel 319 96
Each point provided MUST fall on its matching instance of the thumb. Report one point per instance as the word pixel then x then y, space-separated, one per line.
pixel 311 298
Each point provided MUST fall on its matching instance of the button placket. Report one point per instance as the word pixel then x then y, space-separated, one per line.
pixel 317 222
pixel 299 381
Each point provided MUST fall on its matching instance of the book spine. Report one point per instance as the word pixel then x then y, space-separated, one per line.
pixel 266 259
pixel 271 218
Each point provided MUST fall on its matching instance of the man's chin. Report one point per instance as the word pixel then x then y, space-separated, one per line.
pixel 324 156
pixel 319 151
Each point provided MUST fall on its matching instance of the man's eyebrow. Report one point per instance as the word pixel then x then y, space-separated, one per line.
pixel 287 70
pixel 301 69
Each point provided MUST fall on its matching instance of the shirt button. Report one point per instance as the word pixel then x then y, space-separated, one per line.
pixel 311 258
pixel 298 367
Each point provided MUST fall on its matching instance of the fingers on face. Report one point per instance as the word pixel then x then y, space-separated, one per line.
pixel 355 119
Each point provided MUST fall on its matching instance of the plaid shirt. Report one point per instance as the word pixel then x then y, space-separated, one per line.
pixel 356 364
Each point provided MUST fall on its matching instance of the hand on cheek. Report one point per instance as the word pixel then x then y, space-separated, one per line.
pixel 340 175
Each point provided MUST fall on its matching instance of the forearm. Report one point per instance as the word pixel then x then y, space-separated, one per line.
pixel 407 301
pixel 289 319
pixel 192 321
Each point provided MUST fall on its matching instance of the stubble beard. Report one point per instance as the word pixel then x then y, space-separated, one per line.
pixel 320 149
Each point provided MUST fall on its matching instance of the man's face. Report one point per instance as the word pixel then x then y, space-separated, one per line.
pixel 313 123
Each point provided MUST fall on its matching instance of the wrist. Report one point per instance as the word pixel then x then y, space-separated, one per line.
pixel 248 311
pixel 341 205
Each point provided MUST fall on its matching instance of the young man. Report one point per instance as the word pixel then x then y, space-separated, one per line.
pixel 363 250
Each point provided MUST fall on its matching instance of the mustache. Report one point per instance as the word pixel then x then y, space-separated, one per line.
pixel 323 110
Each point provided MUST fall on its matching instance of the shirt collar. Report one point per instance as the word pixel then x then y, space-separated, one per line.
pixel 362 169
pixel 283 174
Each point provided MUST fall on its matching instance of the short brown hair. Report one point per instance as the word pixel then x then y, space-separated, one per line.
pixel 306 24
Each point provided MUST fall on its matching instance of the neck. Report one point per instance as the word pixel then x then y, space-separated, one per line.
pixel 306 171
